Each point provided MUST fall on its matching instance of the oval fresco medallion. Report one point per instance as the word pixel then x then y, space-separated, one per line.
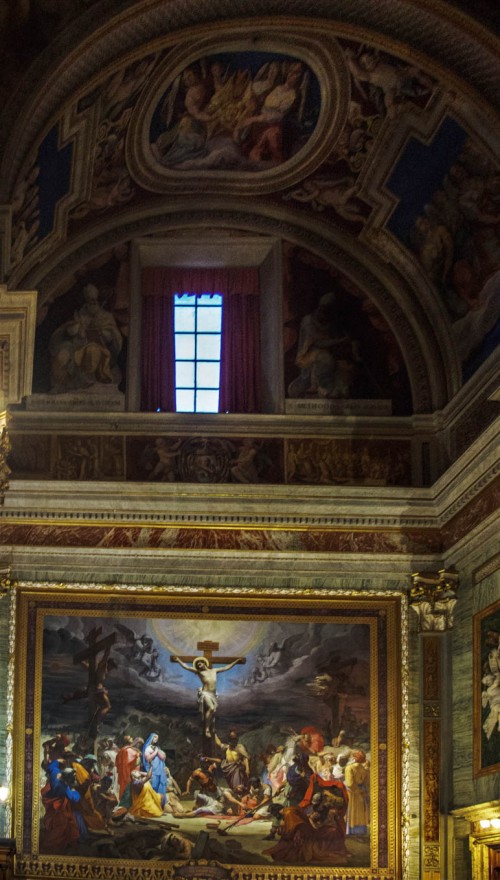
pixel 233 117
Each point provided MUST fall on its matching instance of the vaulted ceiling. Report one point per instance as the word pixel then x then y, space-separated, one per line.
pixel 134 128
pixel 389 180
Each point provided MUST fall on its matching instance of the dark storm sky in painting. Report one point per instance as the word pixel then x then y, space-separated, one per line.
pixel 270 686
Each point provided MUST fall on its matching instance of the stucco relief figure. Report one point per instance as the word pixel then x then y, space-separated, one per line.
pixel 84 350
pixel 25 215
pixel 391 83
pixel 325 355
pixel 336 195
pixel 111 181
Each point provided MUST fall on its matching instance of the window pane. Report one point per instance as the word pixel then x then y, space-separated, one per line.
pixel 197 324
pixel 209 299
pixel 207 374
pixel 184 374
pixel 184 318
pixel 184 347
pixel 209 319
pixel 184 401
pixel 208 347
pixel 207 401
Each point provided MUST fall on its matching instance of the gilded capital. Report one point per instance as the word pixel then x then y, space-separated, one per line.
pixel 5 581
pixel 433 595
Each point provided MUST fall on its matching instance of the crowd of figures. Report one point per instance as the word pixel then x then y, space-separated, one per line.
pixel 304 796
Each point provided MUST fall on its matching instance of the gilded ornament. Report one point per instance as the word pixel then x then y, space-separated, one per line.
pixel 433 598
pixel 5 471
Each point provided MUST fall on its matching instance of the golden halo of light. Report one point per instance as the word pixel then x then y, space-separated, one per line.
pixel 237 638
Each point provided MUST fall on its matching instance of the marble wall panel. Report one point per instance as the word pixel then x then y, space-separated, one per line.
pixel 241 539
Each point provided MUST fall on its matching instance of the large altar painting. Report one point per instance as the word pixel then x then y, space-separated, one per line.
pixel 175 728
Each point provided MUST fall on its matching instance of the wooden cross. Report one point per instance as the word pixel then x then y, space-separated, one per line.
pixel 208 649
pixel 89 655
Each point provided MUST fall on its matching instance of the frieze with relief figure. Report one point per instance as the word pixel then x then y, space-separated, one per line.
pixel 172 458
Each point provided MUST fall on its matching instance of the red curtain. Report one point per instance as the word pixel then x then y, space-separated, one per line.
pixel 157 360
pixel 240 356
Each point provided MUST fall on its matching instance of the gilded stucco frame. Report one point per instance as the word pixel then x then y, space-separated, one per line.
pixel 385 615
pixel 485 621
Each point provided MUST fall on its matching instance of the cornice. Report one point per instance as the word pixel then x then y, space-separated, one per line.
pixel 258 506
pixel 264 570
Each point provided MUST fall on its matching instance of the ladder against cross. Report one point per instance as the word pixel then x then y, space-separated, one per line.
pixel 208 648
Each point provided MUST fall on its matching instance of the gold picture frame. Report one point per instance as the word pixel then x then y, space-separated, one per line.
pixel 486 652
pixel 310 682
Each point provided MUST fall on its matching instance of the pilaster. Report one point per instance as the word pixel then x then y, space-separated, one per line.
pixel 433 597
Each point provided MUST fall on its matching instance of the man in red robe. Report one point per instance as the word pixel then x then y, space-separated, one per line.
pixel 127 759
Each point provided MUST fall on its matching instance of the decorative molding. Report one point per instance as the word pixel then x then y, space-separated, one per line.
pixel 432 855
pixel 430 774
pixel 17 341
pixel 431 673
pixel 488 568
pixel 5 581
pixel 432 710
pixel 318 50
pixel 4 454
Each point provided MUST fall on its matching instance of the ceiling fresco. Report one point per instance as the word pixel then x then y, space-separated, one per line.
pixel 360 142
pixel 235 112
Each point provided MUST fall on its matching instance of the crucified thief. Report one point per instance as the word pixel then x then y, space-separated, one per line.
pixel 207 694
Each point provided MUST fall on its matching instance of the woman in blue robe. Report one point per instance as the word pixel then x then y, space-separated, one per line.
pixel 153 758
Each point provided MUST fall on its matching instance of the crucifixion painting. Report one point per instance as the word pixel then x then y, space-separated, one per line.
pixel 203 666
pixel 228 722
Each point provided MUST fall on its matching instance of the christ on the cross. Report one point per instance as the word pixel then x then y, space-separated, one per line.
pixel 207 694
